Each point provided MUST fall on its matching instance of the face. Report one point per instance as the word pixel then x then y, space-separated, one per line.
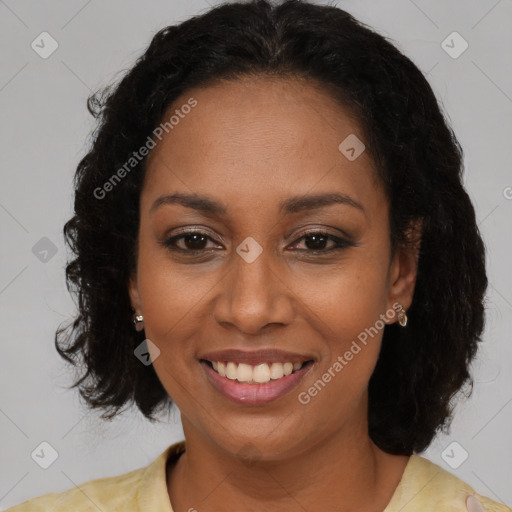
pixel 268 269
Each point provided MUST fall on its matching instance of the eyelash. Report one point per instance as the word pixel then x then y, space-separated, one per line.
pixel 341 242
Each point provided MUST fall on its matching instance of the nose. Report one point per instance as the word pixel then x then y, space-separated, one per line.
pixel 254 295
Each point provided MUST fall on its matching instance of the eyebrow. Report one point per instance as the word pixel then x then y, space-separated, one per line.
pixel 291 205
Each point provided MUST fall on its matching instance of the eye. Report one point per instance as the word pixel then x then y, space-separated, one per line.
pixel 194 241
pixel 316 241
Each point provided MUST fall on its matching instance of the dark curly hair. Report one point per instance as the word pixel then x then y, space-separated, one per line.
pixel 420 369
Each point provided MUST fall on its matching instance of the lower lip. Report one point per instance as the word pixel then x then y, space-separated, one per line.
pixel 255 394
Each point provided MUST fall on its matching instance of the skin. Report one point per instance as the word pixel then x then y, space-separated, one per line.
pixel 251 144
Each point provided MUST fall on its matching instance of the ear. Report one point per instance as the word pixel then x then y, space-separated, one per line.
pixel 133 291
pixel 404 268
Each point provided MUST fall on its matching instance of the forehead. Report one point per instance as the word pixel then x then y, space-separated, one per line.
pixel 260 136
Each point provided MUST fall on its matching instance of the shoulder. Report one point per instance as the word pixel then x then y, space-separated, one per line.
pixel 427 487
pixel 99 494
pixel 92 495
pixel 141 489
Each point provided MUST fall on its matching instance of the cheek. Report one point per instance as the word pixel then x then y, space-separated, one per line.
pixel 345 308
pixel 168 308
pixel 347 297
pixel 169 294
pixel 351 353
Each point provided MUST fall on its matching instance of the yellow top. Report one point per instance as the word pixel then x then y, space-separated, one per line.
pixel 424 487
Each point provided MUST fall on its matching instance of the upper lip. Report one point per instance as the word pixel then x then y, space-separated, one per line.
pixel 268 355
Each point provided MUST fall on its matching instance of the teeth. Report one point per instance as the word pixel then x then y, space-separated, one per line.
pixel 261 373
pixel 231 372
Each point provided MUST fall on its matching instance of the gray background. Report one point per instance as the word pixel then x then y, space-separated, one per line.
pixel 45 130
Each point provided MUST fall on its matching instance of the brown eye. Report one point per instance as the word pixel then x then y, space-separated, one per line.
pixel 192 241
pixel 316 242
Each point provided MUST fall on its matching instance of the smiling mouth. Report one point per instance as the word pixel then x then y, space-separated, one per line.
pixel 255 374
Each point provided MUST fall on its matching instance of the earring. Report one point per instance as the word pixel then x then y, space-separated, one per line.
pixel 138 321
pixel 402 317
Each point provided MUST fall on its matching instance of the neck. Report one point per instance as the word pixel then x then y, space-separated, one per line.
pixel 345 471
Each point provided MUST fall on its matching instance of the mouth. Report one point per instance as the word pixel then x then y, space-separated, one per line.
pixel 255 374
pixel 256 384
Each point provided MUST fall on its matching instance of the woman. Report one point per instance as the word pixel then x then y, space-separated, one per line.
pixel 271 228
